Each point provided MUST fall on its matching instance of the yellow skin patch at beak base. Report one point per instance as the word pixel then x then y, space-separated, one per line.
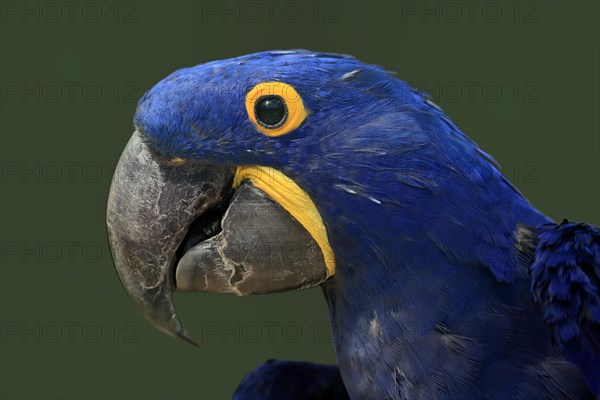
pixel 294 200
pixel 176 161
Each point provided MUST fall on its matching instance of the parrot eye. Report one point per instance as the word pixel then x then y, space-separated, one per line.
pixel 270 111
pixel 275 108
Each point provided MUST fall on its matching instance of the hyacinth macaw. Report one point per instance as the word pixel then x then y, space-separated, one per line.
pixel 442 281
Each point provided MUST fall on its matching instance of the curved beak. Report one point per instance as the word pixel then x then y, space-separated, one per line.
pixel 150 207
pixel 181 225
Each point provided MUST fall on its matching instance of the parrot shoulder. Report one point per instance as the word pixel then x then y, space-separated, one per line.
pixel 565 284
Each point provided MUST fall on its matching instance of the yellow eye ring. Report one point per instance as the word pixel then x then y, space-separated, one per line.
pixel 275 108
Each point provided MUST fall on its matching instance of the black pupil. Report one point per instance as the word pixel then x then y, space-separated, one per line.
pixel 270 111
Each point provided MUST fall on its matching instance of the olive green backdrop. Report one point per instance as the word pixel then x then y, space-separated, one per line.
pixel 519 78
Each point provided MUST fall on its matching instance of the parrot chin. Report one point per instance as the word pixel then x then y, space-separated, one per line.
pixel 194 227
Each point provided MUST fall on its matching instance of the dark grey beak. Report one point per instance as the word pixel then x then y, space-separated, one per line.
pixel 261 249
pixel 150 207
pixel 179 226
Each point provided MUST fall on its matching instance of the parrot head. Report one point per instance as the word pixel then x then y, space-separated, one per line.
pixel 301 152
pixel 272 108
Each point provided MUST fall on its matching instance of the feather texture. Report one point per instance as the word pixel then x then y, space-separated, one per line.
pixel 565 283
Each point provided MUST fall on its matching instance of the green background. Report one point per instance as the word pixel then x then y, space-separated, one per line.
pixel 543 128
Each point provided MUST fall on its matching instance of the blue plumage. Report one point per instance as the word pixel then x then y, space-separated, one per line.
pixel 292 380
pixel 431 296
pixel 565 278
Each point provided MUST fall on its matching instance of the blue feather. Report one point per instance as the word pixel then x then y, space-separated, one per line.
pixel 291 380
pixel 565 283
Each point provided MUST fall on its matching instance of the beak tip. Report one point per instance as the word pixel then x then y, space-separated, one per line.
pixel 163 316
pixel 185 337
pixel 173 327
pixel 182 333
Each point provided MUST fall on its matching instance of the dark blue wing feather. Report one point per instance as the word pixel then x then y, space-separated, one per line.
pixel 293 380
pixel 565 283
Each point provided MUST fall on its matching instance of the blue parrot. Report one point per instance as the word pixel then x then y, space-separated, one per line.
pixel 442 280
